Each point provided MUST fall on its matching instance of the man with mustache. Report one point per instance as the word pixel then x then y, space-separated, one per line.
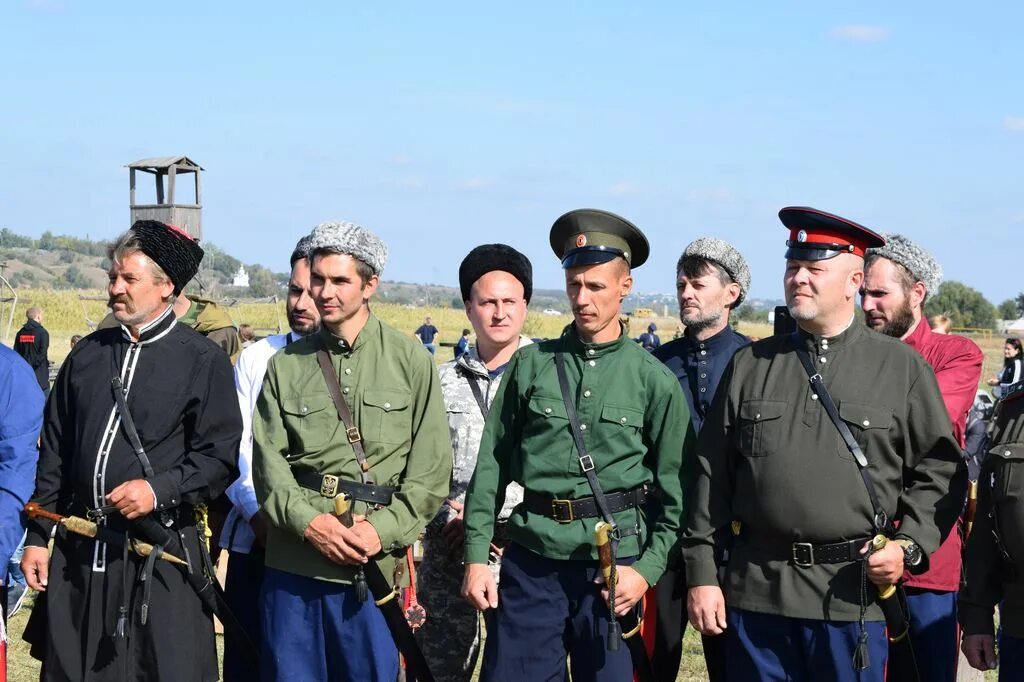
pixel 773 472
pixel 355 410
pixel 590 425
pixel 245 530
pixel 496 283
pixel 712 279
pixel 106 613
pixel 898 278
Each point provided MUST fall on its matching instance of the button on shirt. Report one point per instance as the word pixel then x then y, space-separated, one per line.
pixel 699 366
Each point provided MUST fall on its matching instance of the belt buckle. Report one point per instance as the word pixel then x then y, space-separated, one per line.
pixel 803 554
pixel 329 485
pixel 352 433
pixel 556 506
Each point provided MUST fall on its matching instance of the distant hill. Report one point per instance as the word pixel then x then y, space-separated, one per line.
pixel 65 262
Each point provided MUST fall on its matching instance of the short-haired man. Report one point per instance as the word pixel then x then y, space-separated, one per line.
pixel 352 414
pixel 245 531
pixel 898 278
pixel 771 466
pixel 589 424
pixel 426 333
pixel 712 279
pixel 108 614
pixel 496 283
pixel 32 343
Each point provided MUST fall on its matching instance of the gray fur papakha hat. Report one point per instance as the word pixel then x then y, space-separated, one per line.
pixel 723 253
pixel 918 262
pixel 349 238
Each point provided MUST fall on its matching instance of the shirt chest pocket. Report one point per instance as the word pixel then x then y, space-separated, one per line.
pixel 386 416
pixel 1007 478
pixel 760 427
pixel 622 424
pixel 310 421
pixel 867 423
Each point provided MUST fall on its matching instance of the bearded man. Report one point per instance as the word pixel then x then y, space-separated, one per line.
pixel 108 614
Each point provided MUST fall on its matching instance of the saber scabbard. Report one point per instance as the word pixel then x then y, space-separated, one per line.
pixel 89 529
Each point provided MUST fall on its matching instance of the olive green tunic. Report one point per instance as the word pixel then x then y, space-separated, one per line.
pixel 990 579
pixel 636 427
pixel 393 391
pixel 770 458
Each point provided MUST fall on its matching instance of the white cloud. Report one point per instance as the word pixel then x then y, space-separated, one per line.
pixel 473 183
pixel 400 160
pixel 716 195
pixel 625 189
pixel 410 182
pixel 1015 124
pixel 860 33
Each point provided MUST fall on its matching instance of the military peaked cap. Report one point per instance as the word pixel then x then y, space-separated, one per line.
pixel 816 235
pixel 588 236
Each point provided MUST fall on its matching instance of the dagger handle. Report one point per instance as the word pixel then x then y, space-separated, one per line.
pixel 33 510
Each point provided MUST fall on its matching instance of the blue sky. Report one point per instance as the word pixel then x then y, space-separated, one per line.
pixel 447 125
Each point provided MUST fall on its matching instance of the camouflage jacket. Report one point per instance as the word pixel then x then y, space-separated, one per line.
pixel 466 425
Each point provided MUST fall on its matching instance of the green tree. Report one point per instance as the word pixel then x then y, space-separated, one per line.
pixel 1008 310
pixel 261 282
pixel 965 306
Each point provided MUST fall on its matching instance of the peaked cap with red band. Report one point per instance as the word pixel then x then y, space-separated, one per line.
pixel 816 235
pixel 170 247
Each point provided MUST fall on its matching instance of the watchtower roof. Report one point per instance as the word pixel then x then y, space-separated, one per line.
pixel 164 162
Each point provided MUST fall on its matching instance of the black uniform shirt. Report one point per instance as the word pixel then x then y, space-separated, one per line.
pixel 699 366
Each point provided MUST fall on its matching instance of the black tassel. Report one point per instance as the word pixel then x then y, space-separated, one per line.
pixel 121 631
pixel 362 592
pixel 614 635
pixel 861 659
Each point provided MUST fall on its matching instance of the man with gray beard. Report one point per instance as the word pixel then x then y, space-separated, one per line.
pixel 712 278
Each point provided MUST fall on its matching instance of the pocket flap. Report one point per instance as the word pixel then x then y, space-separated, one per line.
pixel 865 416
pixel 548 407
pixel 761 410
pixel 624 416
pixel 387 399
pixel 305 404
pixel 1008 450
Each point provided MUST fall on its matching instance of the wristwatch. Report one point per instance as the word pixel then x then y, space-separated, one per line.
pixel 912 554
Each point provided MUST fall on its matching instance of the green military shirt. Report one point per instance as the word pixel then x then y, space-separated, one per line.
pixel 393 391
pixel 769 457
pixel 993 577
pixel 635 425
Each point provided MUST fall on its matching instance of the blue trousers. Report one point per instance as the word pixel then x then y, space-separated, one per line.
pixel 1011 658
pixel 546 609
pixel 934 634
pixel 762 647
pixel 242 593
pixel 318 631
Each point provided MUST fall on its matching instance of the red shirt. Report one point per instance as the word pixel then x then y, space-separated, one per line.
pixel 957 365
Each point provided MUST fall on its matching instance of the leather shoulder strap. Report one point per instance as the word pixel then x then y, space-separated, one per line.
pixel 881 519
pixel 344 414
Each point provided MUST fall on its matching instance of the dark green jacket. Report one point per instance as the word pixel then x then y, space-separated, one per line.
pixel 637 428
pixel 990 578
pixel 393 391
pixel 769 457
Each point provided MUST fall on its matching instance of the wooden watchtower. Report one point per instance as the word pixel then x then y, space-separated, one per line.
pixel 187 216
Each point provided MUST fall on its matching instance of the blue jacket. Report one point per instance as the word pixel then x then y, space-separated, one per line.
pixel 21 417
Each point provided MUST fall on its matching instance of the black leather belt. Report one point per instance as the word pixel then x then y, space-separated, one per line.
pixel 567 511
pixel 329 485
pixel 806 554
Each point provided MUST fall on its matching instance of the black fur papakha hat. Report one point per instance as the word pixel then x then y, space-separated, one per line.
pixel 490 257
pixel 170 247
